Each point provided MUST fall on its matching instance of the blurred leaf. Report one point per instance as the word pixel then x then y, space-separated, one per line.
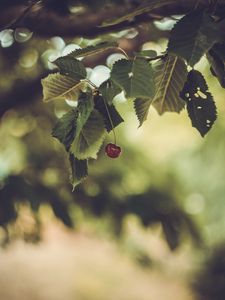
pixel 135 77
pixel 109 113
pixel 93 49
pixel 57 86
pixel 79 170
pixel 72 67
pixel 64 129
pixel 172 234
pixel 193 36
pixel 170 76
pixel 109 90
pixel 200 104
pixel 216 58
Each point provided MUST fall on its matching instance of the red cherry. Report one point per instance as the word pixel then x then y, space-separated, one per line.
pixel 112 150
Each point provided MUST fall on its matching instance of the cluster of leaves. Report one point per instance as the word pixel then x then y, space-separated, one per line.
pixel 147 79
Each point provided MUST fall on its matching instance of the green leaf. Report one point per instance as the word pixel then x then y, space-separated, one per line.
pixel 170 76
pixel 109 113
pixel 72 67
pixel 193 36
pixel 64 129
pixel 142 107
pixel 89 138
pixel 90 50
pixel 216 58
pixel 79 170
pixel 109 90
pixel 134 77
pixel 145 8
pixel 57 86
pixel 200 105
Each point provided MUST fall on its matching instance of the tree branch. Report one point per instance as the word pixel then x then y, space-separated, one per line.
pixel 46 22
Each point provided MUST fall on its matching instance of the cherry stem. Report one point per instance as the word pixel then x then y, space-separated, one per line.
pixel 106 107
pixel 123 51
pixel 110 119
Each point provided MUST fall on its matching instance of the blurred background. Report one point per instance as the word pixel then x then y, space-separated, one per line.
pixel 149 225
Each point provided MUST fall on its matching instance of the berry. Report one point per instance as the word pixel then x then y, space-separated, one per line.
pixel 112 150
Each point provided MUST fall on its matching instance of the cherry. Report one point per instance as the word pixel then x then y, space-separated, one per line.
pixel 112 150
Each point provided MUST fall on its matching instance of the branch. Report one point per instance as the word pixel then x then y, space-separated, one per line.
pixel 46 22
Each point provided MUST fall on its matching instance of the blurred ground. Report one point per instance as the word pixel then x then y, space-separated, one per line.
pixel 76 266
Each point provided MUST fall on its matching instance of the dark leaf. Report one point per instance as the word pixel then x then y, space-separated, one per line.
pixel 108 112
pixel 90 50
pixel 79 170
pixel 64 129
pixel 71 67
pixel 200 104
pixel 193 36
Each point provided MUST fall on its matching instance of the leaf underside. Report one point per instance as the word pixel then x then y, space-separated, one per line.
pixel 216 58
pixel 57 86
pixel 193 36
pixel 170 76
pixel 200 104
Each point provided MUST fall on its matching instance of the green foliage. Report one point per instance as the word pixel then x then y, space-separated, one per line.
pixel 200 104
pixel 193 36
pixel 165 84
pixel 134 77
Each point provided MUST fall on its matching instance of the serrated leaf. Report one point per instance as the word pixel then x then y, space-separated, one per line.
pixel 72 67
pixel 170 76
pixel 200 105
pixel 109 113
pixel 64 129
pixel 142 107
pixel 145 8
pixel 109 90
pixel 134 77
pixel 90 50
pixel 193 36
pixel 79 170
pixel 57 86
pixel 89 138
pixel 216 58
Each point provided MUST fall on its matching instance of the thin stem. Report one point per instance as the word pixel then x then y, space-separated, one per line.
pixel 124 52
pixel 106 107
pixel 110 120
pixel 156 57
